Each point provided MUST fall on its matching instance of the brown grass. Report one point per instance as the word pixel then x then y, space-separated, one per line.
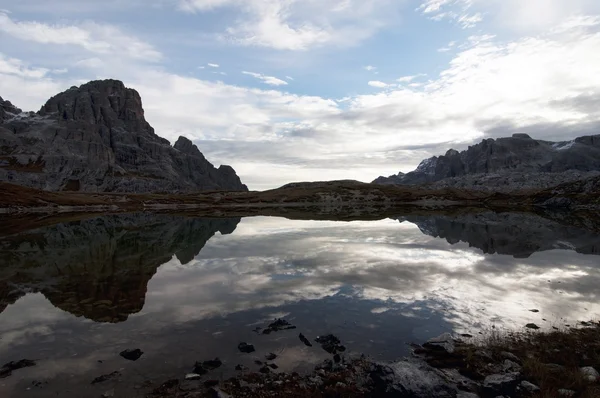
pixel 550 360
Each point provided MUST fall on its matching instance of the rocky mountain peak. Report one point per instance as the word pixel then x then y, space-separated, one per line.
pixel 7 110
pixel 186 146
pixel 507 159
pixel 94 138
pixel 105 102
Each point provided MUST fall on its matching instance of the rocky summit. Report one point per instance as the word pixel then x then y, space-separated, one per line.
pixel 94 138
pixel 506 164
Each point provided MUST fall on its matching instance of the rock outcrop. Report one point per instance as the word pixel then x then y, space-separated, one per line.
pixel 94 138
pixel 507 164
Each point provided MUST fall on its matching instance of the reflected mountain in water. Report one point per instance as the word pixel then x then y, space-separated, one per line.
pixel 100 268
pixel 516 234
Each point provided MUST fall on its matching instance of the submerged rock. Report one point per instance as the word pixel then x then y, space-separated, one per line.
pixel 103 378
pixel 330 343
pixel 246 348
pixel 278 325
pixel 304 340
pixel 193 376
pixel 132 355
pixel 532 326
pixel 212 364
pixel 270 356
pixel 9 367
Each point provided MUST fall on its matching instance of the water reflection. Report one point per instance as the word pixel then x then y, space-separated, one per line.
pixel 182 292
pixel 100 268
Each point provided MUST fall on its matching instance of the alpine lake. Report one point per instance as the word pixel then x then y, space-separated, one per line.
pixel 76 294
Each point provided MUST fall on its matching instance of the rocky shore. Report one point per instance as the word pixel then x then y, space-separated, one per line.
pixel 560 363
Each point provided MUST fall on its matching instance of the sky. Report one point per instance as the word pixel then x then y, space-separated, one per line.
pixel 304 90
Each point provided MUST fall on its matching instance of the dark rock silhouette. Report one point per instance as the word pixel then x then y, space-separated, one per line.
pixel 94 138
pixel 516 234
pixel 100 268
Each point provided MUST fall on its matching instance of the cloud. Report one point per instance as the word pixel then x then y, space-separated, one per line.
pixel 91 36
pixel 270 80
pixel 289 78
pixel 546 84
pixel 532 15
pixel 299 25
pixel 408 79
pixel 370 68
pixel 213 65
pixel 378 84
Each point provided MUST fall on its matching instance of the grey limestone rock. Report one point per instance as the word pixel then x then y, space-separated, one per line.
pixel 590 374
pixel 444 342
pixel 507 164
pixel 502 383
pixel 95 138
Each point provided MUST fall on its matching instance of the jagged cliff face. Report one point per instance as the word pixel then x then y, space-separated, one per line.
pixel 100 268
pixel 94 138
pixel 499 162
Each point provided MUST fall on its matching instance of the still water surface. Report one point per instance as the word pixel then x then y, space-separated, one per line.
pixel 73 295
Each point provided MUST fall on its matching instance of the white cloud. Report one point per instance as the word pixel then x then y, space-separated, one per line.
pixel 299 24
pixel 213 65
pixel 91 36
pixel 408 79
pixel 289 78
pixel 530 15
pixel 370 68
pixel 270 80
pixel 489 88
pixel 378 84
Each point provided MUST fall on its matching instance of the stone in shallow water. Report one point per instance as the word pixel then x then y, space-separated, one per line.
pixel 304 340
pixel 246 348
pixel 9 367
pixel 193 376
pixel 132 355
pixel 532 326
pixel 444 342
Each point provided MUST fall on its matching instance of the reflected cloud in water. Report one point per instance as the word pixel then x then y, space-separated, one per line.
pixel 94 287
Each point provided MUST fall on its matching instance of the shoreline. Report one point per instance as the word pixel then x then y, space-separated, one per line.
pixel 558 363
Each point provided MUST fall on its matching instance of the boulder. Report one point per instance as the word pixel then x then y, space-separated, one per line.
pixel 444 342
pixel 502 383
pixel 590 374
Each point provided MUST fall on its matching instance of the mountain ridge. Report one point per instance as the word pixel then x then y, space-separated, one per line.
pixel 509 163
pixel 95 138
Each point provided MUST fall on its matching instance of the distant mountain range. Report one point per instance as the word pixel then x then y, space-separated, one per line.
pixel 504 164
pixel 94 138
